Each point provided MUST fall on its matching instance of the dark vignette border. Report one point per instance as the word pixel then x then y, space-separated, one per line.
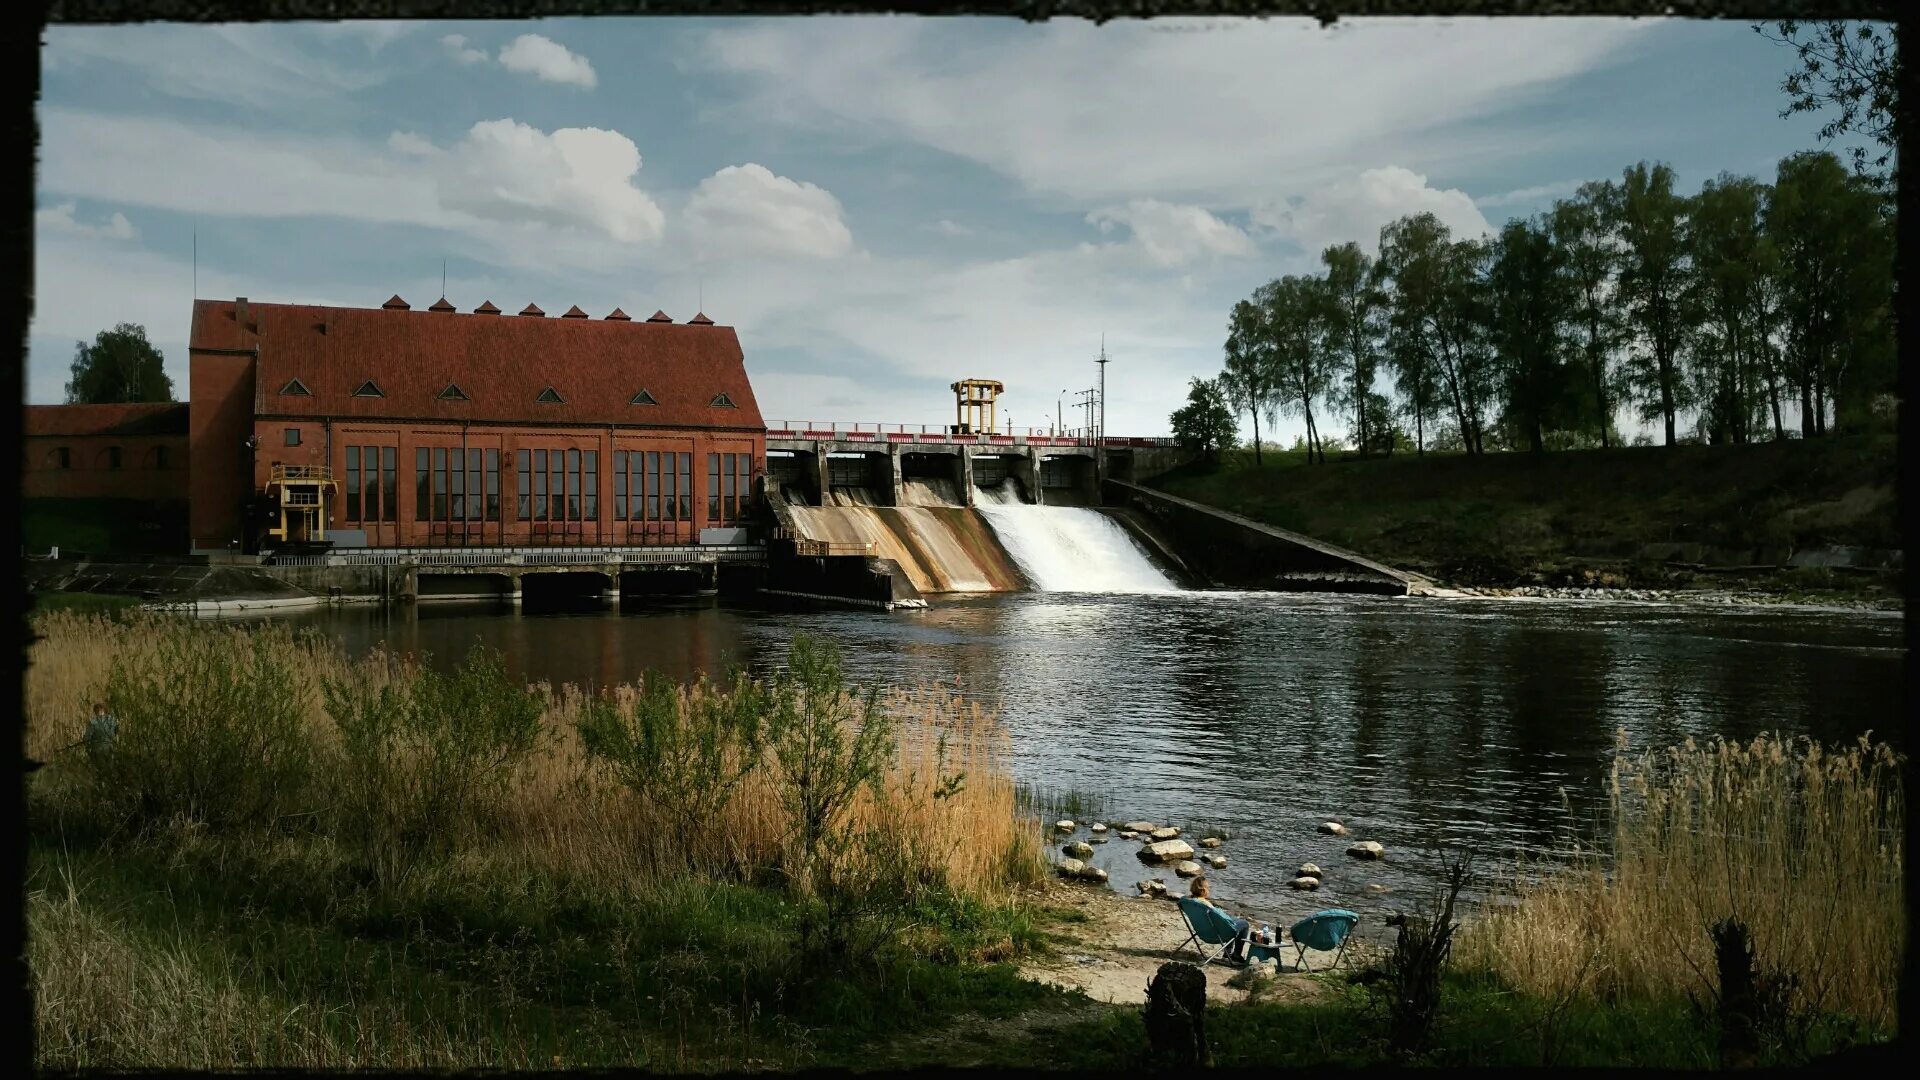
pixel 21 61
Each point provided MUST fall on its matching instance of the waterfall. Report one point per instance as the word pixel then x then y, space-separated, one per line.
pixel 1073 549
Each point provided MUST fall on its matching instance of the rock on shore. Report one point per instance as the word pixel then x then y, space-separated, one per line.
pixel 1079 849
pixel 1367 849
pixel 1333 828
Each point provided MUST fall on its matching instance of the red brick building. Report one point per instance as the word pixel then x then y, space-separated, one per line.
pixel 443 428
pixel 134 452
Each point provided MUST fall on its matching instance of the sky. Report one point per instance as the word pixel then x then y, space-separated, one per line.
pixel 879 205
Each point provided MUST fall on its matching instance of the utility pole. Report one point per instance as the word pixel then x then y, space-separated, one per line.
pixel 1099 446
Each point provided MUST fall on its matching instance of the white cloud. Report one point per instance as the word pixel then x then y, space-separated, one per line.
pixel 511 172
pixel 949 227
pixel 747 209
pixel 1356 209
pixel 547 60
pixel 1174 235
pixel 376 33
pixel 259 66
pixel 456 45
pixel 406 142
pixel 60 219
pixel 223 170
pixel 1559 189
pixel 1069 108
pixel 501 178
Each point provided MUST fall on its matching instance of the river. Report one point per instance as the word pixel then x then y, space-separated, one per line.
pixel 1419 722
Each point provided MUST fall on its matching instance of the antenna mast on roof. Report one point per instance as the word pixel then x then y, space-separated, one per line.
pixel 196 261
pixel 443 279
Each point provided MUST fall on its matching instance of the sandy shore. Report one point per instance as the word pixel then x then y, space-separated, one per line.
pixel 1124 940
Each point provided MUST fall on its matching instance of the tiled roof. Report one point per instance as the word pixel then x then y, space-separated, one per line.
pixel 659 316
pixel 532 309
pixel 486 308
pixel 441 305
pixel 574 312
pixel 619 316
pixel 700 319
pixel 146 418
pixel 596 366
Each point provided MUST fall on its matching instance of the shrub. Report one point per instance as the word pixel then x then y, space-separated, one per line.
pixel 681 751
pixel 212 725
pixel 424 750
pixel 828 743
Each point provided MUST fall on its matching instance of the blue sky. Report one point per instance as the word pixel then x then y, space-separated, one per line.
pixel 879 205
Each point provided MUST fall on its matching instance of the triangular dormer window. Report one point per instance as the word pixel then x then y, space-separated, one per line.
pixel 642 398
pixel 369 389
pixel 722 401
pixel 550 396
pixel 296 388
pixel 453 393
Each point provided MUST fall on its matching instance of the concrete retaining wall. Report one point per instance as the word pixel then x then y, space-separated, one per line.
pixel 1230 551
pixel 857 580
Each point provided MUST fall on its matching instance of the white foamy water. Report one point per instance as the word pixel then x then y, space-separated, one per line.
pixel 1073 549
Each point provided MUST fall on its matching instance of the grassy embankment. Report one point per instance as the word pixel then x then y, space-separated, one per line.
pixel 295 858
pixel 1580 517
pixel 96 526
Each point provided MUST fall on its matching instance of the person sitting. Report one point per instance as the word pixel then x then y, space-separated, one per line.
pixel 1244 929
pixel 102 729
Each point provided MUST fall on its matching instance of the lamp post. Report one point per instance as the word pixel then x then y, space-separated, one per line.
pixel 1059 423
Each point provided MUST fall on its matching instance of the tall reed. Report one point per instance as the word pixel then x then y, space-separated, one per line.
pixel 1800 842
pixel 553 805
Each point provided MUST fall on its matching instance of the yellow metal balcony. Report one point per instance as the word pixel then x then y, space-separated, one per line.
pixel 300 474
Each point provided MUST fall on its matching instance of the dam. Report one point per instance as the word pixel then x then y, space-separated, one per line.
pixel 1001 543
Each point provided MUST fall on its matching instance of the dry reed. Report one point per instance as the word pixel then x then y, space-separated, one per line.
pixel 109 992
pixel 1802 843
pixel 557 810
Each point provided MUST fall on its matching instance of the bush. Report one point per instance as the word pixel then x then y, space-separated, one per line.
pixel 681 751
pixel 424 750
pixel 212 725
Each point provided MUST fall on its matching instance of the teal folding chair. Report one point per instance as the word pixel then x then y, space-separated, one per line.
pixel 1326 931
pixel 1210 927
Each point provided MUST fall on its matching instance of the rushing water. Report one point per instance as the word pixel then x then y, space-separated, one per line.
pixel 1418 722
pixel 1070 549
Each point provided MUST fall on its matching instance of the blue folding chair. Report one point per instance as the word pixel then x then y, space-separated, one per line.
pixel 1210 927
pixel 1325 930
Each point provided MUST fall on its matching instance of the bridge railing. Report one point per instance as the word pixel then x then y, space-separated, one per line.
pixel 860 431
pixel 504 556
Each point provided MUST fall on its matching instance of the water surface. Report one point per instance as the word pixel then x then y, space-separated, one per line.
pixel 1420 723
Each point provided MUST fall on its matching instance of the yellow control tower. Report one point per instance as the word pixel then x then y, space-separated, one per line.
pixel 973 405
pixel 300 494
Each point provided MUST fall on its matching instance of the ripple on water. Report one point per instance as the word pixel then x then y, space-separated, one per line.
pixel 1421 724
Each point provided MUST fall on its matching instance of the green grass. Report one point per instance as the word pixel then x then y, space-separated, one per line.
pixel 520 967
pixel 1514 518
pixel 1482 1025
pixel 103 603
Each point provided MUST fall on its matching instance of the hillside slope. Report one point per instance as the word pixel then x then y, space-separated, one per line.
pixel 1679 517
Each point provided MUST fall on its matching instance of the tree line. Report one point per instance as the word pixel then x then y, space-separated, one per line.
pixel 1726 309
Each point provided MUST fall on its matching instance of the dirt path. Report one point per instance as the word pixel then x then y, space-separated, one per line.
pixel 1123 941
